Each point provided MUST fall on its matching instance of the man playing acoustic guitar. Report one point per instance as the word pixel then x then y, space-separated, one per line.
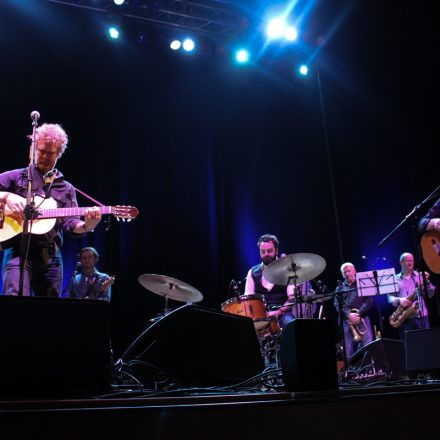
pixel 43 271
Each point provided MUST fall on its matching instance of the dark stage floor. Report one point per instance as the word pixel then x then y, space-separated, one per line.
pixel 385 411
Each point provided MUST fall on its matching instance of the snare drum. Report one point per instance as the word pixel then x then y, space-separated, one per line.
pixel 251 306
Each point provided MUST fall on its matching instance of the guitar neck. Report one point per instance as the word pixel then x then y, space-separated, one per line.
pixel 69 212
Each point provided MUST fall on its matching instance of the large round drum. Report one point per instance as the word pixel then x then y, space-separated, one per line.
pixel 251 306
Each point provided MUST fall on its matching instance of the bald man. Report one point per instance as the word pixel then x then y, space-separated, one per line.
pixel 408 279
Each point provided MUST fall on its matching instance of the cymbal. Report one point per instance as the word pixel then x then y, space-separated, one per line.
pixel 294 269
pixel 170 288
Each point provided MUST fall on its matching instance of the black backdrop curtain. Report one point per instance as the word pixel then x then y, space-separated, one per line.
pixel 214 155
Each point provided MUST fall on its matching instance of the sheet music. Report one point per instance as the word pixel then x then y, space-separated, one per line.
pixel 377 282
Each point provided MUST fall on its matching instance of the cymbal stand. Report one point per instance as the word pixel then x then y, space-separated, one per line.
pixel 298 308
pixel 340 300
pixel 165 309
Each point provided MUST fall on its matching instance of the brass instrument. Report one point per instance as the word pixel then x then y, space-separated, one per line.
pixel 356 329
pixel 401 313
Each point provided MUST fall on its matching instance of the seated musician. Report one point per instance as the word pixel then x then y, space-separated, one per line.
pixel 274 295
pixel 90 283
pixel 407 296
pixel 43 271
pixel 356 323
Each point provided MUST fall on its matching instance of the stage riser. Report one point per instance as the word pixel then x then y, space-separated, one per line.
pixel 306 418
pixel 52 347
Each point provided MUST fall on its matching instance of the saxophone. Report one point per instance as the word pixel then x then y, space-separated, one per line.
pixel 401 313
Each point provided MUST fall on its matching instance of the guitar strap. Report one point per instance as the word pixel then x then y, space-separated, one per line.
pixel 87 196
pixel 94 201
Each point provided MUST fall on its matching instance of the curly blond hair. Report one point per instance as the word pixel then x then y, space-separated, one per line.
pixel 53 134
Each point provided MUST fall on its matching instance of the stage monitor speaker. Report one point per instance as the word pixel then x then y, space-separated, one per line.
pixel 53 347
pixel 199 347
pixel 382 359
pixel 422 351
pixel 308 355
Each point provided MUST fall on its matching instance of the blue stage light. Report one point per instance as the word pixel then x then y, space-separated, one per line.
pixel 276 28
pixel 290 34
pixel 242 56
pixel 303 70
pixel 113 32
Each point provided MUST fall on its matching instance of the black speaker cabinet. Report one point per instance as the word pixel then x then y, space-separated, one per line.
pixel 53 347
pixel 423 351
pixel 383 358
pixel 199 347
pixel 308 355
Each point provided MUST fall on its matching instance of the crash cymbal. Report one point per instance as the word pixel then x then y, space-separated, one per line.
pixel 170 288
pixel 294 269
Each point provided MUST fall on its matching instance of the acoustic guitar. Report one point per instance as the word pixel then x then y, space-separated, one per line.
pixel 430 244
pixel 47 212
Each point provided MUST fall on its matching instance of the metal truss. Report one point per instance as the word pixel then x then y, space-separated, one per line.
pixel 218 18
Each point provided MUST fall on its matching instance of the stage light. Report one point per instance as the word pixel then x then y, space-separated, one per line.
pixel 291 34
pixel 119 2
pixel 113 32
pixel 242 56
pixel 175 44
pixel 276 28
pixel 303 70
pixel 188 45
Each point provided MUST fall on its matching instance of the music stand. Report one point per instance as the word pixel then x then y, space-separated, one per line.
pixel 377 282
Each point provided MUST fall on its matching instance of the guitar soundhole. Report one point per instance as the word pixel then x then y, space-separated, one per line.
pixel 435 245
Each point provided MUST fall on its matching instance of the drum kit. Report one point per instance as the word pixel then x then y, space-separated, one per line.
pixel 292 269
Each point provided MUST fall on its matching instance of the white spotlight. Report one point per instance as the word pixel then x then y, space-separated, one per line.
pixel 276 28
pixel 175 44
pixel 188 45
pixel 119 2
pixel 291 34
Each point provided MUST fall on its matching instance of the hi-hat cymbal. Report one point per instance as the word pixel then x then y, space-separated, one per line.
pixel 170 288
pixel 308 299
pixel 294 269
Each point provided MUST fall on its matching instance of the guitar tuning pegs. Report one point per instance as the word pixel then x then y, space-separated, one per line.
pixel 117 218
pixel 128 220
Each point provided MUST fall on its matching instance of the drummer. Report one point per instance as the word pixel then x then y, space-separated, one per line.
pixel 274 295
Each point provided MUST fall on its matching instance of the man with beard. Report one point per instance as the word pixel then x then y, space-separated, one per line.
pixel 268 246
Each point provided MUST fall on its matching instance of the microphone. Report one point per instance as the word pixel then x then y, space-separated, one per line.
pixel 35 115
pixel 49 174
pixel 77 268
pixel 47 179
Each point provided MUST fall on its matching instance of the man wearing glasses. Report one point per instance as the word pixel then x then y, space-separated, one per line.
pixel 43 269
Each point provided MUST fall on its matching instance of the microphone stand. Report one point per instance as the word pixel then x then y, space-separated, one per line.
pixel 75 273
pixel 29 212
pixel 415 215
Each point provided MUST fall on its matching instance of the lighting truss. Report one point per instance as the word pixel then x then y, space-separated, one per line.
pixel 218 18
